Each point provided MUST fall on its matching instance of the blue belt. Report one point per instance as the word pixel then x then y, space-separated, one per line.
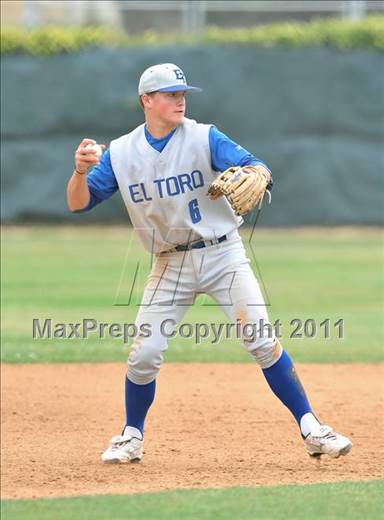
pixel 198 245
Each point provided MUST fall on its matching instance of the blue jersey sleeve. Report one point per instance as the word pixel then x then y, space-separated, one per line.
pixel 226 153
pixel 101 182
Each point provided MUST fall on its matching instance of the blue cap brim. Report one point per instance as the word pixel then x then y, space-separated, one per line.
pixel 177 88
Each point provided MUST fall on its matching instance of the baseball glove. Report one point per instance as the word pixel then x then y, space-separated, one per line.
pixel 244 187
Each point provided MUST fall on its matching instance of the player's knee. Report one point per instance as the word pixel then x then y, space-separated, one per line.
pixel 144 362
pixel 267 353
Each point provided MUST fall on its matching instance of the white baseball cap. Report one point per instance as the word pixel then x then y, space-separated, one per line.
pixel 165 77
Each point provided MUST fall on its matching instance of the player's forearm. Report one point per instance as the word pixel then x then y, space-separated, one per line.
pixel 78 195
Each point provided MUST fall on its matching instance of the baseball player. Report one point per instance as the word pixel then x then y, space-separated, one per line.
pixel 187 215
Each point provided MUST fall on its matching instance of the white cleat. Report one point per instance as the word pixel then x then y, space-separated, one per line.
pixel 127 447
pixel 324 441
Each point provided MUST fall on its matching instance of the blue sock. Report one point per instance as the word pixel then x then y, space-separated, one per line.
pixel 285 384
pixel 138 399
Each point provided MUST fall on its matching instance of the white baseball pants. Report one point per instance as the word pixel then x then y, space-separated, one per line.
pixel 223 272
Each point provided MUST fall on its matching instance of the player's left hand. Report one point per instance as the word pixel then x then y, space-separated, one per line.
pixel 244 187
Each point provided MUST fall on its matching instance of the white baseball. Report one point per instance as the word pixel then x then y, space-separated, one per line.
pixel 95 148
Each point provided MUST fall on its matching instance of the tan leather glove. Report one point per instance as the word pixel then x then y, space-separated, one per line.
pixel 244 187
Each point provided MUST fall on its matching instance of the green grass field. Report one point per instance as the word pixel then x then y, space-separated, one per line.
pixel 69 274
pixel 347 500
pixel 72 273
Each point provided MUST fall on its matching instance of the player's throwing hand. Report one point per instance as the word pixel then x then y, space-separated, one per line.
pixel 87 154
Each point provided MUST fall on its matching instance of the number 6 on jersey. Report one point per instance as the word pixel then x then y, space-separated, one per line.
pixel 194 211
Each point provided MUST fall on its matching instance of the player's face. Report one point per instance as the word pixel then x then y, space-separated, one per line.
pixel 169 107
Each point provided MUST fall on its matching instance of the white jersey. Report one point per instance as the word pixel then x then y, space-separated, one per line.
pixel 166 192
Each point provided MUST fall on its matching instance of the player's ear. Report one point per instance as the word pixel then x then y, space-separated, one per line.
pixel 146 100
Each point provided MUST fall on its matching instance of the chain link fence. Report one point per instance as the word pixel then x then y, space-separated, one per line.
pixel 178 16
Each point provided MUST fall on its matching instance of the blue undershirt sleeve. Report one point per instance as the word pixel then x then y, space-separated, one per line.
pixel 226 153
pixel 101 182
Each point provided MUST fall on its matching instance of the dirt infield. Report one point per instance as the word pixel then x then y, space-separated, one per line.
pixel 212 425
